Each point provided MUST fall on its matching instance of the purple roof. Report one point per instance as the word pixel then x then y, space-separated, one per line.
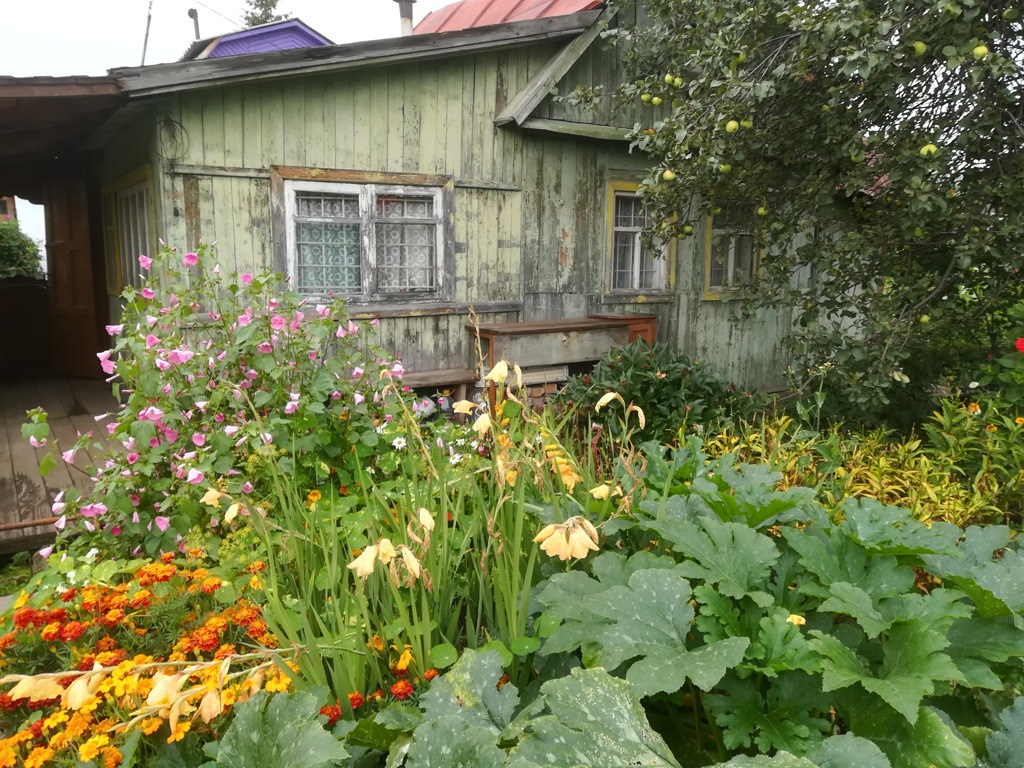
pixel 275 36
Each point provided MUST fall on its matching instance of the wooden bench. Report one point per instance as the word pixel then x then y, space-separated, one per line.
pixel 457 379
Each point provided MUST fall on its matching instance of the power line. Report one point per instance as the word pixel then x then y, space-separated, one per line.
pixel 236 22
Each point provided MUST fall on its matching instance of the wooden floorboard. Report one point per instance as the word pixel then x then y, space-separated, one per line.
pixel 70 405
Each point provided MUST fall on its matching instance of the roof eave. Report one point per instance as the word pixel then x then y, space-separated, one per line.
pixel 191 75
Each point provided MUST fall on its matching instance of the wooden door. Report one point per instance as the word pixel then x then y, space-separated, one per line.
pixel 74 341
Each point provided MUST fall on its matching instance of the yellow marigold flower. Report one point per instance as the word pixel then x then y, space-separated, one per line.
pixel 973 407
pixel 151 725
pixel 313 496
pixel 38 756
pixel 991 428
pixel 1019 421
pixel 254 583
pixel 277 682
pixel 375 643
pixel 796 619
pixel 510 477
pixel 182 728
pixel 91 749
pixel 227 697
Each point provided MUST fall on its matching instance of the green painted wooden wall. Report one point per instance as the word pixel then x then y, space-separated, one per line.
pixel 529 207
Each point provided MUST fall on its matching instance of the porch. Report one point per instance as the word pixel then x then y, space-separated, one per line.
pixel 25 497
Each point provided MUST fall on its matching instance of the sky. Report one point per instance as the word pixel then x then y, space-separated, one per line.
pixel 75 37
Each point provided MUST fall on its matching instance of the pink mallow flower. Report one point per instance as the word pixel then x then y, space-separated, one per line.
pixel 113 330
pixel 190 259
pixel 148 293
pixel 278 322
pixel 162 522
pixel 264 347
pixel 151 341
pixel 105 362
pixel 195 476
pixel 93 510
pixel 145 262
pixel 246 278
pixel 198 439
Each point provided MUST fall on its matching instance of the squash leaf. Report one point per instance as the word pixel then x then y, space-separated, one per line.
pixel 1006 746
pixel 929 740
pixel 468 690
pixel 453 742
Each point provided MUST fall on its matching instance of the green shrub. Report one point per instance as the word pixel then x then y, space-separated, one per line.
pixel 673 391
pixel 19 254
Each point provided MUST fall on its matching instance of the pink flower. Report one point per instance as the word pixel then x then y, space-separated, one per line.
pixel 190 259
pixel 132 458
pixel 291 408
pixel 397 369
pixel 278 322
pixel 171 435
pixel 93 510
pixel 341 333
pixel 36 443
pixel 358 398
pixel 243 320
pixel 69 456
pixel 246 278
pixel 198 439
pixel 179 356
pixel 357 372
pixel 162 364
pixel 267 438
pixel 216 270
pixel 145 262
pixel 113 330
pixel 135 517
pixel 45 552
pixel 247 488
pixel 151 341
pixel 151 320
pixel 135 500
pixel 89 526
pixel 105 362
pixel 162 522
pixel 375 321
pixel 195 476
pixel 264 347
pixel 323 310
pixel 335 395
pixel 229 431
pixel 116 530
pixel 148 293
pixel 59 525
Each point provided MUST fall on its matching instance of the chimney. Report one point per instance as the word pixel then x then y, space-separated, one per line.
pixel 194 15
pixel 405 10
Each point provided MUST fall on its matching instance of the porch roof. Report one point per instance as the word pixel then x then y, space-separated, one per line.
pixel 44 120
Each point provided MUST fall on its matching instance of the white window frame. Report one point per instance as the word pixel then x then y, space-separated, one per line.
pixel 131 214
pixel 661 262
pixel 367 194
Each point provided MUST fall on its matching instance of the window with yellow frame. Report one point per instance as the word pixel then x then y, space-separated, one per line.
pixel 731 254
pixel 631 268
pixel 128 228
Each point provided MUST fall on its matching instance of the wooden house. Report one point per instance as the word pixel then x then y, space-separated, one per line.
pixel 424 178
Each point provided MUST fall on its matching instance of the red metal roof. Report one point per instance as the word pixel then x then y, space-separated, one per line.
pixel 466 14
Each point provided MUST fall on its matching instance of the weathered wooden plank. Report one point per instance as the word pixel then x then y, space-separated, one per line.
pixel 222 201
pixel 243 214
pixel 583 130
pixel 449 111
pixel 394 109
pixel 272 124
pixel 211 105
pixel 316 129
pixel 252 126
pixel 207 210
pixel 377 119
pixel 234 129
pixel 362 129
pixel 190 149
pixel 360 177
pixel 294 122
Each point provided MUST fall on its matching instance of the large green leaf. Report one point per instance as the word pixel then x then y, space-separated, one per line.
pixel 279 731
pixel 730 555
pixel 634 620
pixel 1006 746
pixel 780 646
pixel 929 741
pixel 782 720
pixel 594 719
pixel 754 498
pixel 889 530
pixel 911 664
pixel 469 690
pixel 848 751
pixel 452 742
pixel 781 760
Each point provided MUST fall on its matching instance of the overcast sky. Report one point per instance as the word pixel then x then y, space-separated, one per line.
pixel 76 37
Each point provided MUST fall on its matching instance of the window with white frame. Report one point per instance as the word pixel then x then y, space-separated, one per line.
pixel 634 269
pixel 364 241
pixel 731 254
pixel 132 215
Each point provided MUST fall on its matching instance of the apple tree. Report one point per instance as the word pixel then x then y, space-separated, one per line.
pixel 877 149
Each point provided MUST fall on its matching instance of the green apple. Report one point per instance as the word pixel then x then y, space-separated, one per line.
pixel 825 107
pixel 762 211
pixel 687 230
pixel 668 175
pixel 732 126
pixel 746 123
pixel 920 48
pixel 925 319
pixel 669 79
pixel 918 232
pixel 928 150
pixel 656 101
pixel 1011 14
pixel 677 82
pixel 741 58
pixel 980 52
pixel 645 97
pixel 725 168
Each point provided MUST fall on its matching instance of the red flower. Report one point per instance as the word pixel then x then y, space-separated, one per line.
pixel 430 674
pixel 71 632
pixel 1020 345
pixel 402 690
pixel 355 700
pixel 376 695
pixel 332 713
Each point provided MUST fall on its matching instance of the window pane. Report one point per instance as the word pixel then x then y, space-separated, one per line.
pixel 719 262
pixel 314 205
pixel 132 231
pixel 328 258
pixel 405 254
pixel 652 273
pixel 623 258
pixel 392 207
pixel 744 260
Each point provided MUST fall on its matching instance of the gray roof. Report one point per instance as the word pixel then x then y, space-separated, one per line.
pixel 204 73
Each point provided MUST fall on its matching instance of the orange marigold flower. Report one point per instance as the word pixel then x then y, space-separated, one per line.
pixel 332 712
pixel 8 640
pixel 502 681
pixel 211 585
pixel 355 700
pixel 72 631
pixel 376 695
pixel 68 595
pixel 1019 421
pixel 151 725
pixel 402 690
pixel 50 631
pixel 141 599
pixel 167 557
pixel 24 617
pixel 195 553
pixel 430 674
pixel 973 407
pixel 991 428
pixel 112 757
pixel 154 573
pixel 257 567
pixel 313 496
pixel 38 756
pixel 224 651
pixel 77 725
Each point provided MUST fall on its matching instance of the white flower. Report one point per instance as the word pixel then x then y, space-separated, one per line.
pixel 379 430
pixel 455 459
pixel 371 471
pixel 973 385
pixel 398 442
